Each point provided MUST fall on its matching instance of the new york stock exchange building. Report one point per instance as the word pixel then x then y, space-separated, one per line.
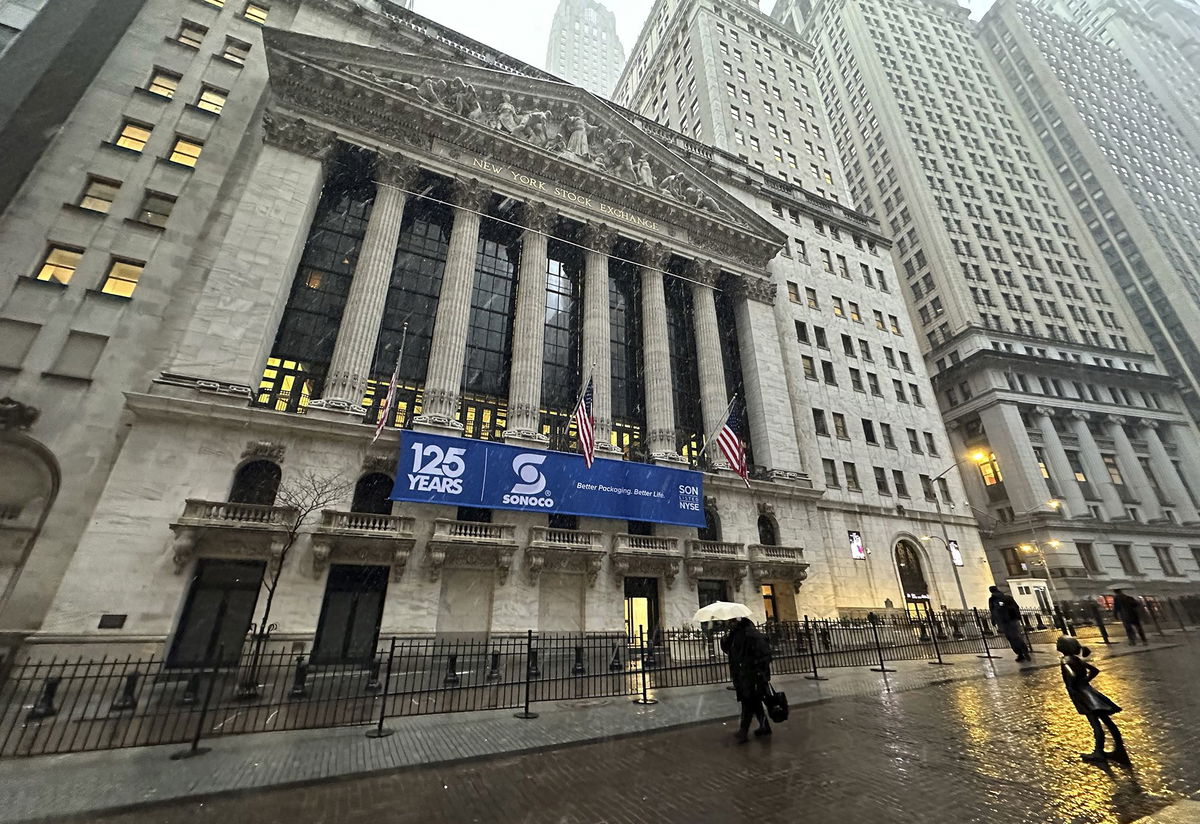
pixel 378 198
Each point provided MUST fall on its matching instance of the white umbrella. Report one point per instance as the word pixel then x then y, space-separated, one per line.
pixel 721 611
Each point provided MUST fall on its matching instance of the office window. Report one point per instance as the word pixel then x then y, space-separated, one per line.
pixel 185 151
pixel 828 374
pixel 989 470
pixel 831 476
pixel 881 481
pixel 1114 471
pixel 218 3
pixel 256 13
pixel 59 264
pixel 839 426
pixel 906 362
pixel 930 444
pixel 850 471
pixel 915 394
pixel 122 277
pixel 1165 560
pixel 856 381
pixel 79 355
pixel 879 324
pixel 793 292
pixel 873 383
pixel 98 194
pixel 898 387
pixel 1125 556
pixel 865 349
pixel 889 439
pixel 838 309
pixel 848 346
pixel 155 209
pixel 191 34
pixel 133 136
pixel 163 83
pixel 819 424
pixel 811 296
pixel 914 442
pixel 894 324
pixel 927 488
pixel 1087 554
pixel 236 51
pixel 820 338
pixel 855 314
pixel 810 367
pixel 868 428
pixel 900 484
pixel 1013 564
pixel 211 99
pixel 801 331
pixel 943 489
pixel 890 356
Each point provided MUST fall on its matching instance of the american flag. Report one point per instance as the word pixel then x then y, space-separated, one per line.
pixel 389 399
pixel 731 446
pixel 585 425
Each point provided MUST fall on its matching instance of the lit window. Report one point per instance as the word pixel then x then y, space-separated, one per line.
pixel 256 13
pixel 191 34
pixel 236 51
pixel 98 195
pixel 211 99
pixel 133 136
pixel 185 152
pixel 122 278
pixel 59 264
pixel 163 84
pixel 155 209
pixel 218 3
pixel 989 470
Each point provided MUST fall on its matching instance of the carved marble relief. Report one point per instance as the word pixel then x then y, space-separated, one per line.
pixel 551 126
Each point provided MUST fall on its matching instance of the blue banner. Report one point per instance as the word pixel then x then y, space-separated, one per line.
pixel 435 469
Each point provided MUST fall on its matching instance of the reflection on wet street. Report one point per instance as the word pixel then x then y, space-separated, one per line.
pixel 993 750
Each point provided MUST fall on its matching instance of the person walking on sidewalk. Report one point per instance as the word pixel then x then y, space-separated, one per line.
pixel 1128 611
pixel 1092 704
pixel 750 663
pixel 1006 615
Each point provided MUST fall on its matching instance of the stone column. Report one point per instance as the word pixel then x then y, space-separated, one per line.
pixel 1009 440
pixel 597 334
pixel 354 352
pixel 1131 468
pixel 1187 446
pixel 1168 477
pixel 656 357
pixel 1089 456
pixel 710 362
pixel 447 352
pixel 1058 465
pixel 529 326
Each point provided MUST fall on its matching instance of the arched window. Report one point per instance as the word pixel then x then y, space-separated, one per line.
pixel 256 482
pixel 912 578
pixel 767 534
pixel 371 494
pixel 711 531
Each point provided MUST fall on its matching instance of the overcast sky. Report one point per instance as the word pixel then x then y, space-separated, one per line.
pixel 522 27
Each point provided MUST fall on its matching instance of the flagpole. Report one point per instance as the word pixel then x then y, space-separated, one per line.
pixel 725 417
pixel 383 413
pixel 578 399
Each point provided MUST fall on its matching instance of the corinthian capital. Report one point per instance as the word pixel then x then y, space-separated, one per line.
pixel 538 217
pixel 397 170
pixel 703 271
pixel 297 135
pixel 757 289
pixel 599 237
pixel 470 193
pixel 652 255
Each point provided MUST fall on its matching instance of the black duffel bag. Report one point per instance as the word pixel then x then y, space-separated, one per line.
pixel 777 705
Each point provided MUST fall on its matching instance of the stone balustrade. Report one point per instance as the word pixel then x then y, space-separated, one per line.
pixel 541 536
pixel 447 529
pixel 365 523
pixel 716 549
pixel 623 542
pixel 225 513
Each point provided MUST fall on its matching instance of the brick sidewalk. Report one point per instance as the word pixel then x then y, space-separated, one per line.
pixel 34 788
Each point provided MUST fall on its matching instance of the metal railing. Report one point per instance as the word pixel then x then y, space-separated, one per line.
pixel 82 704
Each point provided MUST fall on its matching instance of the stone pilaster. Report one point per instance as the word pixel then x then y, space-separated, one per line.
pixel 1009 440
pixel 597 333
pixel 710 362
pixel 447 352
pixel 1164 471
pixel 353 354
pixel 1131 468
pixel 656 357
pixel 1097 474
pixel 529 326
pixel 1058 465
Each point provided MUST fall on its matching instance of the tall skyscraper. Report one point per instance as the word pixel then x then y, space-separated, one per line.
pixel 584 47
pixel 1044 376
pixel 1126 165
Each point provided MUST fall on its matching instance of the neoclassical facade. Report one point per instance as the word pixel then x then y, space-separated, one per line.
pixel 492 237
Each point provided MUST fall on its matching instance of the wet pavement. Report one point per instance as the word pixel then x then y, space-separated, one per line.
pixel 990 750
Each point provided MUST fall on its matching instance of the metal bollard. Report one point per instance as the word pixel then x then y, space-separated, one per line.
pixel 190 689
pixel 44 706
pixel 649 659
pixel 533 671
pixel 493 673
pixel 372 684
pixel 452 678
pixel 299 690
pixel 1040 624
pixel 578 668
pixel 127 700
pixel 614 663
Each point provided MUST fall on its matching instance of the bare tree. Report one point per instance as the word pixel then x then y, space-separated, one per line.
pixel 300 496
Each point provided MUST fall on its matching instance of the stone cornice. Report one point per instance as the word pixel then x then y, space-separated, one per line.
pixel 294 134
pixel 1071 370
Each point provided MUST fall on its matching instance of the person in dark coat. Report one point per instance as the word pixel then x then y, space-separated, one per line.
pixel 750 665
pixel 1095 706
pixel 1006 615
pixel 1128 611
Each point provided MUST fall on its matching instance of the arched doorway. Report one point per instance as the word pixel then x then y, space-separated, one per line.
pixel 767 534
pixel 371 494
pixel 711 531
pixel 256 482
pixel 28 487
pixel 912 575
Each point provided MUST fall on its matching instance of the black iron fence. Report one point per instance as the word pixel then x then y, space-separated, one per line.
pixel 62 706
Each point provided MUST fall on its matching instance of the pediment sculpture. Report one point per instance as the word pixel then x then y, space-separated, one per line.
pixel 550 125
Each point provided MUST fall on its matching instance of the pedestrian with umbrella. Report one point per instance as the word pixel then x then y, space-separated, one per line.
pixel 749 663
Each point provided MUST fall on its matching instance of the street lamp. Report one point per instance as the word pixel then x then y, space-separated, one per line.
pixel 1036 548
pixel 977 458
